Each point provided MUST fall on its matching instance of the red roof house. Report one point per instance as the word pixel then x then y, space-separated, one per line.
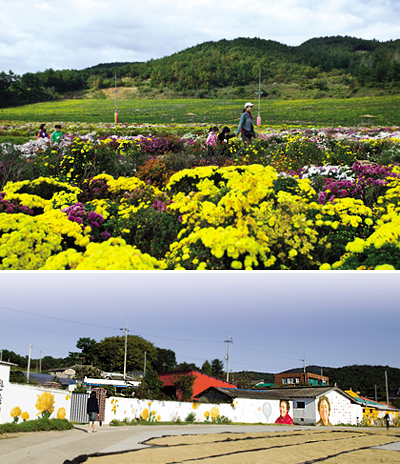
pixel 201 383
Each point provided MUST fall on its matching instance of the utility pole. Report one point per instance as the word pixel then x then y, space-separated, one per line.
pixel 229 341
pixel 126 344
pixel 304 366
pixel 115 91
pixel 29 363
pixel 259 95
pixel 40 362
pixel 144 367
pixel 387 388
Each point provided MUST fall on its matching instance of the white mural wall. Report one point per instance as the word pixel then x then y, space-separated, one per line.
pixel 26 402
pixel 242 410
pixel 334 409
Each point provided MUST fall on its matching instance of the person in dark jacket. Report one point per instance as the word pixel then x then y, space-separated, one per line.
pixel 246 128
pixel 92 410
pixel 223 139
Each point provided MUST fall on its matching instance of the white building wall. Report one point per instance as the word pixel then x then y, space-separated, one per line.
pixel 342 411
pixel 4 390
pixel 242 410
pixel 25 398
pixel 306 415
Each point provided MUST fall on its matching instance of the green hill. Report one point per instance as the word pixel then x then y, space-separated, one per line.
pixel 318 68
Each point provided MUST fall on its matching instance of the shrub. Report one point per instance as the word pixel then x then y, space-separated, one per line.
pixel 155 172
pixel 12 165
pixel 115 423
pixel 191 418
pixel 150 229
pixel 37 425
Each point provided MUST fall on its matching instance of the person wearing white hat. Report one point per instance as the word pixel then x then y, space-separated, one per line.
pixel 246 128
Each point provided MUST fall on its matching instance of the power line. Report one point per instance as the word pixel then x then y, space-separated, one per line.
pixel 267 354
pixel 107 327
pixel 58 318
pixel 142 334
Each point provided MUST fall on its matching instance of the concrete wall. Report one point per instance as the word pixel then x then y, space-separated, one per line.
pixel 26 399
pixel 306 415
pixel 243 410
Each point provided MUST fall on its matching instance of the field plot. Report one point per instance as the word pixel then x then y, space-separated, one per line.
pixel 299 199
pixel 325 112
pixel 291 447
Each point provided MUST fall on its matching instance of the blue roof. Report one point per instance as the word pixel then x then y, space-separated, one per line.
pixel 41 378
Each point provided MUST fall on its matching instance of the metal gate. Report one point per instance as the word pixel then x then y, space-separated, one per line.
pixel 79 406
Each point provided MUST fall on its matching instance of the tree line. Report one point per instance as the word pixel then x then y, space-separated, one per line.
pixel 226 63
pixel 108 355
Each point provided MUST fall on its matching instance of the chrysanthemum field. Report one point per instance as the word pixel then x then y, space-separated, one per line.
pixel 156 197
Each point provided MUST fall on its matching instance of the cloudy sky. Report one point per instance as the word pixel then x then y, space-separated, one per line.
pixel 274 319
pixel 36 35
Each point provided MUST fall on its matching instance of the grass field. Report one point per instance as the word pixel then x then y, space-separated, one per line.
pixel 323 112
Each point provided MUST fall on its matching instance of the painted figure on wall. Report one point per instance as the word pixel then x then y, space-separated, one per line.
pixel 324 409
pixel 284 417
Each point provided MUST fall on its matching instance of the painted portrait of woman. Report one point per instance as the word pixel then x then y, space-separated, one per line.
pixel 284 417
pixel 324 409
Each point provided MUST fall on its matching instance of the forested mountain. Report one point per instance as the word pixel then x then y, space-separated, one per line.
pixel 360 378
pixel 200 71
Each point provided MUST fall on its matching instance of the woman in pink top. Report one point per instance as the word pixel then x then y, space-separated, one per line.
pixel 212 137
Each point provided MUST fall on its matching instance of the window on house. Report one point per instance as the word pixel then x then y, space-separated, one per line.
pixel 300 404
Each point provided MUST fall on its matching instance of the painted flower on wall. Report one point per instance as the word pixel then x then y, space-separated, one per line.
pixel 214 412
pixel 25 416
pixel 45 404
pixel 61 413
pixel 145 414
pixel 15 413
pixel 114 406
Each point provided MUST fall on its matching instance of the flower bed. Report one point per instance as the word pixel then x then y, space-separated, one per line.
pixel 300 199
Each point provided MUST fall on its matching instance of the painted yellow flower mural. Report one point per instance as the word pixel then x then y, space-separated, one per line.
pixel 145 414
pixel 61 413
pixel 15 413
pixel 45 404
pixel 214 412
pixel 25 416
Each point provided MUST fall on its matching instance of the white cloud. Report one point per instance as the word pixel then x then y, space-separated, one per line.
pixel 77 34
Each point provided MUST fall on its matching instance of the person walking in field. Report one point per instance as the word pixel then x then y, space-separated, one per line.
pixel 42 134
pixel 246 128
pixel 92 410
pixel 387 421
